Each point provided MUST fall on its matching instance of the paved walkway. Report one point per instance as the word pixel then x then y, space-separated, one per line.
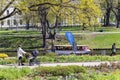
pixel 75 63
pixel 56 64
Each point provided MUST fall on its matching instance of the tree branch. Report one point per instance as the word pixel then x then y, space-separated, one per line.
pixel 51 4
pixel 9 15
pixel 11 2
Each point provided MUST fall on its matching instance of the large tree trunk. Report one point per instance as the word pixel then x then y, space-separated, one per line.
pixel 44 34
pixel 107 17
pixel 27 24
pixel 118 16
pixel 43 18
pixel 118 20
pixel 116 12
pixel 45 23
pixel 117 24
pixel 104 21
pixel 109 6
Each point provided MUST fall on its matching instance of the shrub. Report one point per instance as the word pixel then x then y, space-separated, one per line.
pixel 45 59
pixel 13 73
pixel 78 69
pixel 52 78
pixel 51 54
pixel 8 61
pixel 62 70
pixel 58 71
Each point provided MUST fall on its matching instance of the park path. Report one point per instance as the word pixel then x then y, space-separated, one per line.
pixel 57 64
pixel 75 63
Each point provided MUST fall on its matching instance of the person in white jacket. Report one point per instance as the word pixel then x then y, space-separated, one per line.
pixel 20 53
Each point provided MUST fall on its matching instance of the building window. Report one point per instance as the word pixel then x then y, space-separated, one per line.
pixel 2 22
pixel 8 22
pixel 15 22
pixel 7 12
pixel 21 22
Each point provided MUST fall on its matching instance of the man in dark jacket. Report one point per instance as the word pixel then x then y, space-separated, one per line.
pixel 113 49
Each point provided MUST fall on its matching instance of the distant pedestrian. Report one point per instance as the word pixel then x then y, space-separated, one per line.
pixel 74 46
pixel 20 53
pixel 113 49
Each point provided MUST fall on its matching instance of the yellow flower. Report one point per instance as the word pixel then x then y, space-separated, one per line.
pixel 3 55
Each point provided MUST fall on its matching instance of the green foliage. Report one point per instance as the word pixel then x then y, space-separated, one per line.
pixel 74 73
pixel 58 71
pixel 83 11
pixel 78 29
pixel 51 54
pixel 13 73
pixel 46 59
pixel 74 58
pixel 104 76
pixel 102 72
pixel 8 61
pixel 89 12
pixel 21 32
pixel 52 78
pixel 13 42
pixel 98 40
pixel 81 76
pixel 70 58
pixel 92 40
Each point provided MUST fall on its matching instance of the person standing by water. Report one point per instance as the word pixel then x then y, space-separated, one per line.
pixel 113 49
pixel 20 53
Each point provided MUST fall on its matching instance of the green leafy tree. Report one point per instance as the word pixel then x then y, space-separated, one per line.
pixel 116 11
pixel 108 8
pixel 89 12
pixel 53 12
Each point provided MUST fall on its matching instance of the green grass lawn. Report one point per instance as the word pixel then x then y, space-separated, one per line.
pixel 78 29
pixel 20 32
pixel 92 40
pixel 95 40
pixel 101 40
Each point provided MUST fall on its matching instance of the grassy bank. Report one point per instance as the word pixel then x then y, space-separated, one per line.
pixel 101 40
pixel 13 73
pixel 70 58
pixel 10 39
pixel 89 29
pixel 102 72
pixel 95 40
pixel 19 32
pixel 11 42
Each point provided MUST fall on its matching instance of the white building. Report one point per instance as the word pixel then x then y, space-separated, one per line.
pixel 15 21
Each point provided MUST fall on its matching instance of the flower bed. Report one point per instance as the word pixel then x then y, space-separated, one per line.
pixel 3 55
